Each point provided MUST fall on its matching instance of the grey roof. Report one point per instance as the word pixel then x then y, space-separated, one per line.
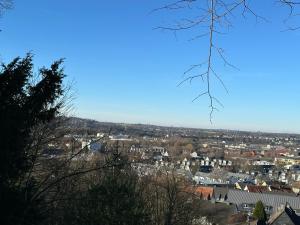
pixel 238 175
pixel 184 172
pixel 288 215
pixel 239 197
pixel 220 191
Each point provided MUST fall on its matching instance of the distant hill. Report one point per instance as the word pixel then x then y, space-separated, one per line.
pixel 89 126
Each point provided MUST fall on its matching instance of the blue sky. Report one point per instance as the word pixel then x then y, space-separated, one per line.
pixel 125 71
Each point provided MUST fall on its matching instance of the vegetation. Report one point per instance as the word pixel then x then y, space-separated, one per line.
pixel 113 196
pixel 259 212
pixel 39 190
pixel 35 190
pixel 24 106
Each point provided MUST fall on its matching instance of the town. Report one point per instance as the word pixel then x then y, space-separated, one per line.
pixel 174 112
pixel 233 168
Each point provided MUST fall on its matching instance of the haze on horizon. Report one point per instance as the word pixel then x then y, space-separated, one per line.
pixel 124 71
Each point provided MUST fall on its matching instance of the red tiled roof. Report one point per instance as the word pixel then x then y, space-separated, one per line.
pixel 201 191
pixel 257 189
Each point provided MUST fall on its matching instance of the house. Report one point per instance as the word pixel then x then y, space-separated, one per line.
pixel 284 216
pixel 120 137
pixel 238 177
pixel 243 185
pixel 206 179
pixel 287 160
pixel 281 151
pixel 203 192
pixel 220 194
pixel 296 187
pixel 249 154
pixel 91 145
pixel 281 189
pixel 194 155
pixel 205 169
pixel 157 156
pixel 52 152
pixel 245 201
pixel 257 189
pixel 95 146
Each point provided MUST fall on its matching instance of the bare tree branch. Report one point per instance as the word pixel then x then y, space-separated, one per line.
pixel 5 5
pixel 213 17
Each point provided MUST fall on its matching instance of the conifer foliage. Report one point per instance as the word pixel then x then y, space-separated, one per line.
pixel 24 104
pixel 259 212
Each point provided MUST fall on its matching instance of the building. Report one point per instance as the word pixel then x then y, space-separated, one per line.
pixel 91 145
pixel 245 201
pixel 284 216
pixel 120 137
pixel 257 189
pixel 287 161
pixel 203 192
pixel 220 194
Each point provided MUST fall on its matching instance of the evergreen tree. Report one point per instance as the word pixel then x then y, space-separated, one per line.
pixel 259 212
pixel 23 106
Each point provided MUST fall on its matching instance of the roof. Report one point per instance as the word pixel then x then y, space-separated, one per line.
pixel 201 191
pixel 296 184
pixel 257 189
pixel 242 185
pixel 220 191
pixel 205 178
pixel 238 175
pixel 287 211
pixel 269 199
pixel 281 188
